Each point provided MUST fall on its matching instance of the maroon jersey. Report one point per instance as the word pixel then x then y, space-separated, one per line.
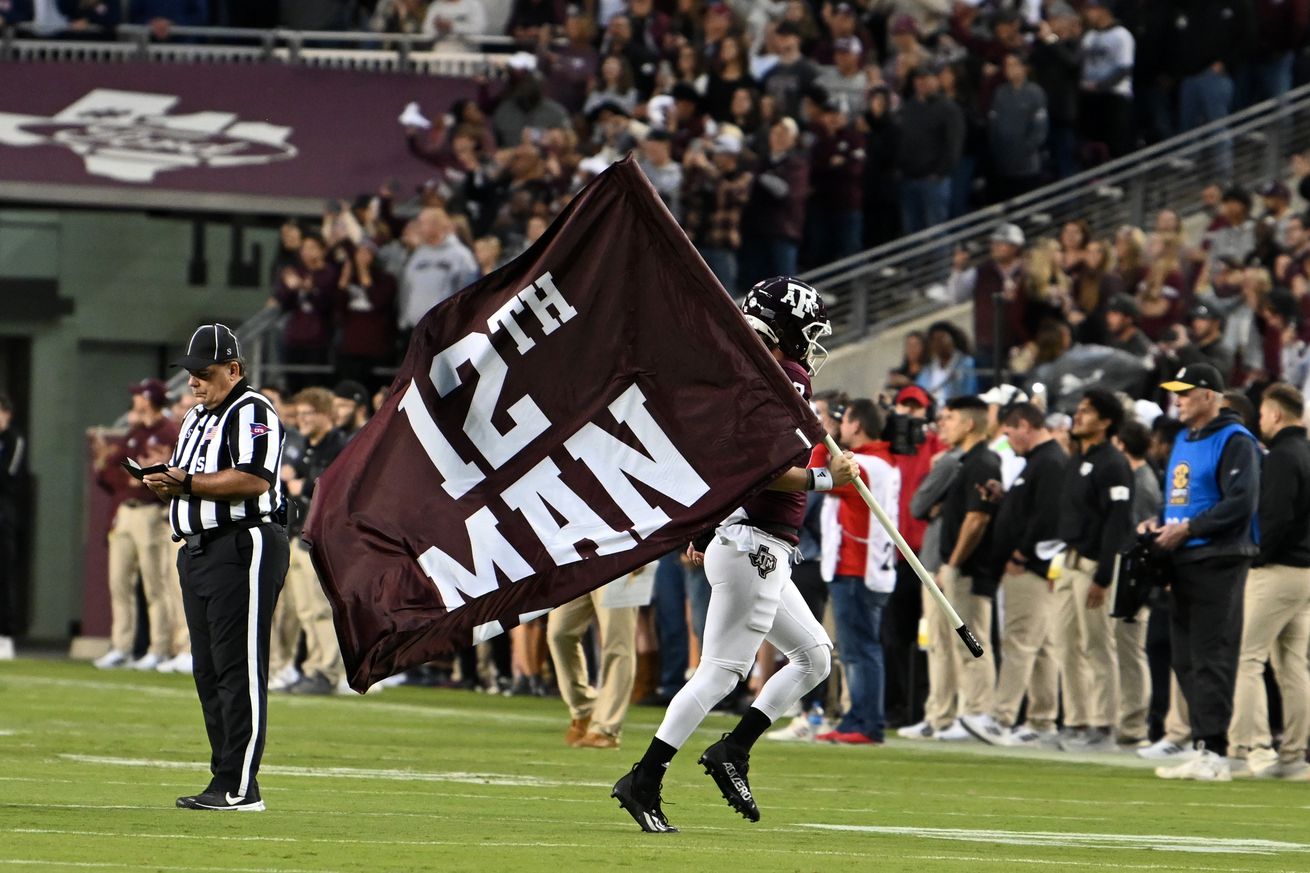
pixel 782 509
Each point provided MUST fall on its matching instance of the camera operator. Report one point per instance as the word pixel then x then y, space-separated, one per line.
pixel 1212 486
pixel 1276 609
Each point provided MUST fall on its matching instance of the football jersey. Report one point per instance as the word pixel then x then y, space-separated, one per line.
pixel 782 508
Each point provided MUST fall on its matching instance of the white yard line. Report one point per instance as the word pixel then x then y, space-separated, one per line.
pixel 1081 864
pixel 24 863
pixel 498 779
pixel 1155 842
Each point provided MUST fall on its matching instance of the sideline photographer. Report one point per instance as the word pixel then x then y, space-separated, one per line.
pixel 1212 486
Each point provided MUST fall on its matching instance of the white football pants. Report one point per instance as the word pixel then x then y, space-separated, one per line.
pixel 752 598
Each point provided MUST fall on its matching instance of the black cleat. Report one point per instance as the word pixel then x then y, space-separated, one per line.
pixel 644 808
pixel 728 765
pixel 217 800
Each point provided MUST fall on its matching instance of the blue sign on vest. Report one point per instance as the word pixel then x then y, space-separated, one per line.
pixel 1192 485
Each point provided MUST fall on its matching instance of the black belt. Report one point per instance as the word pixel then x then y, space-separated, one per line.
pixel 781 531
pixel 198 541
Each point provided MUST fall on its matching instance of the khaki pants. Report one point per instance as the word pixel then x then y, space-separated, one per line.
pixel 1275 626
pixel 312 610
pixel 1134 676
pixel 1178 721
pixel 1028 664
pixel 135 547
pixel 181 643
pixel 565 627
pixel 958 683
pixel 1086 650
pixel 285 637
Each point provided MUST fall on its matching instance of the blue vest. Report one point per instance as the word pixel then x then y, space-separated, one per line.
pixel 1192 485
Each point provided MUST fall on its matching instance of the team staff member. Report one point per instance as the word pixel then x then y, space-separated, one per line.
pixel 1212 488
pixel 1026 521
pixel 1096 524
pixel 226 504
pixel 964 577
pixel 1276 609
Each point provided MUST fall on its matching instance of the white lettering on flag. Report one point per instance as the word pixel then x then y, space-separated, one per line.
pixel 542 486
pixel 490 551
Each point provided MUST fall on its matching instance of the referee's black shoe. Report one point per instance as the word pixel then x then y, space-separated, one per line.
pixel 643 806
pixel 728 765
pixel 218 800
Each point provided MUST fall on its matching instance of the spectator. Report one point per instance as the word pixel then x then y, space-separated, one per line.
pixel 959 88
pixel 1129 256
pixel 533 22
pixel 717 190
pixel 615 86
pixel 456 23
pixel 1018 130
pixel 290 236
pixel 1232 235
pixel 664 173
pixel 1057 65
pixel 1159 294
pixel 835 215
pixel 523 105
pixel 306 293
pixel 1281 29
pixel 914 359
pixel 1121 326
pixel 775 215
pixel 949 372
pixel 1108 51
pixel 350 408
pixel 905 53
pixel 998 294
pixel 1276 603
pixel 729 72
pixel 642 55
pixel 846 80
pixel 882 138
pixel 793 75
pixel 1094 286
pixel 365 316
pixel 1207 341
pixel 398 16
pixel 569 69
pixel 1075 236
pixel 932 129
pixel 1208 41
pixel 438 268
pixel 1271 230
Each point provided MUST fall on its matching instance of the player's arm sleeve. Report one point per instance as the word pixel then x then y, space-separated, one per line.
pixel 255 435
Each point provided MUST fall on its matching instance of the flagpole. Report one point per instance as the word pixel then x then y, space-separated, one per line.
pixel 970 641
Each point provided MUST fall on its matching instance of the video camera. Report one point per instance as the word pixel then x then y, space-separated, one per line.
pixel 904 432
pixel 1142 569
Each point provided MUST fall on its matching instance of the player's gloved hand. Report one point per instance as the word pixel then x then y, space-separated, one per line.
pixel 844 469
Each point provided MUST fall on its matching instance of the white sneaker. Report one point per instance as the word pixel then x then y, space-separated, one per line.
pixel 1023 737
pixel 984 727
pixel 148 661
pixel 110 660
pixel 797 730
pixel 177 664
pixel 1254 764
pixel 1205 767
pixel 956 733
pixel 1166 750
pixel 1290 771
pixel 1091 740
pixel 921 731
pixel 6 648
pixel 285 678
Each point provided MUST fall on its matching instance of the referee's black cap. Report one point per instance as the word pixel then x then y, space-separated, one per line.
pixel 211 344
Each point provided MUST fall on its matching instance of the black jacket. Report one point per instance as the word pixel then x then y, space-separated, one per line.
pixel 1285 500
pixel 1096 520
pixel 932 137
pixel 1030 512
pixel 1227 524
pixel 309 467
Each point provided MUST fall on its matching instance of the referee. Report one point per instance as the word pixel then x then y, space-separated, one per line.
pixel 226 503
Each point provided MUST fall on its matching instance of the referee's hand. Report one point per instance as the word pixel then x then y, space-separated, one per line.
pixel 167 484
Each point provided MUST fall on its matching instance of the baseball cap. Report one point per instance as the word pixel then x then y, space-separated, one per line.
pixel 843 9
pixel 1125 304
pixel 1275 188
pixel 914 394
pixel 726 143
pixel 1003 395
pixel 1201 310
pixel 1008 233
pixel 849 44
pixel 1195 376
pixel 154 391
pixel 786 28
pixel 211 344
pixel 659 135
pixel 351 390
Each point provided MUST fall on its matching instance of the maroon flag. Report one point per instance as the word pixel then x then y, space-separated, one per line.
pixel 583 410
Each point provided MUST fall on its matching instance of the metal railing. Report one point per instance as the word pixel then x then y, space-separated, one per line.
pixel 888 284
pixel 362 51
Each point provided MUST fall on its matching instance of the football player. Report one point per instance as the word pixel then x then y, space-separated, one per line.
pixel 748 560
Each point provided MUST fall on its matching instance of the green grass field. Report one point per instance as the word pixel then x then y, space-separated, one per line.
pixel 416 779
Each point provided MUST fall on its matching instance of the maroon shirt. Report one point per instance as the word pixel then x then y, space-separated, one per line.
pixel 310 322
pixel 142 441
pixel 367 316
pixel 775 509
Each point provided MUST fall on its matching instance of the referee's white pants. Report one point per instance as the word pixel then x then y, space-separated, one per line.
pixel 745 609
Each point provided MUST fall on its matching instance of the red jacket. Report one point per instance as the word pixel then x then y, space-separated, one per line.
pixel 854 543
pixel 913 468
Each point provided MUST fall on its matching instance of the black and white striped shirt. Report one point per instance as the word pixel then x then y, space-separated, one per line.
pixel 243 432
